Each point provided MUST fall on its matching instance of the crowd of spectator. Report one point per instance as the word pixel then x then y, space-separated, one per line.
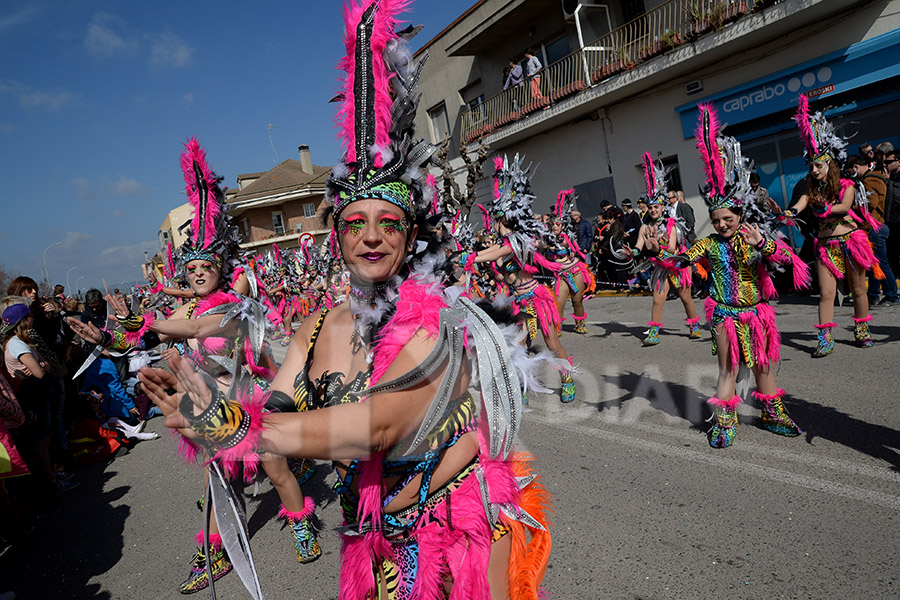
pixel 51 422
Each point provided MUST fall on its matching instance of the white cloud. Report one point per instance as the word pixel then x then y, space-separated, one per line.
pixel 169 50
pixel 23 15
pixel 83 189
pixel 52 101
pixel 126 186
pixel 7 128
pixel 105 37
pixel 73 238
pixel 187 100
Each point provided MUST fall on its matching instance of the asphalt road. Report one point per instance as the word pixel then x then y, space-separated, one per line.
pixel 644 508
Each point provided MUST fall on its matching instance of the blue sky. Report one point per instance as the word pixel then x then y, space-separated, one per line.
pixel 96 99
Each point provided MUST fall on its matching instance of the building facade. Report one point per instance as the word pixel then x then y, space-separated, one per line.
pixel 625 77
pixel 280 205
pixel 171 229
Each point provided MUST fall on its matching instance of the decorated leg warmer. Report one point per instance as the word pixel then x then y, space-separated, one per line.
pixel 652 338
pixel 580 326
pixel 302 531
pixel 694 328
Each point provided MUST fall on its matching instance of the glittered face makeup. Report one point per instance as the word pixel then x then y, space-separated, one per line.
pixel 354 224
pixel 374 236
pixel 389 224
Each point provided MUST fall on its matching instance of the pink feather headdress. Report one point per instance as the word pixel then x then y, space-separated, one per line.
pixel 655 178
pixel 379 99
pixel 820 138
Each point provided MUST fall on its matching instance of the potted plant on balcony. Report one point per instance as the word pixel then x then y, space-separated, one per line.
pixel 699 23
pixel 670 40
pixel 734 11
pixel 762 4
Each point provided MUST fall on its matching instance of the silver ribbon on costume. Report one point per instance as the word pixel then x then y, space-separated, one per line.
pixel 501 391
pixel 493 509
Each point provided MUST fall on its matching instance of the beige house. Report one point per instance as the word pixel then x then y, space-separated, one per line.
pixel 280 205
pixel 624 77
pixel 170 230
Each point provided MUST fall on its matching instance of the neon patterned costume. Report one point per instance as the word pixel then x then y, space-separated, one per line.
pixel 741 282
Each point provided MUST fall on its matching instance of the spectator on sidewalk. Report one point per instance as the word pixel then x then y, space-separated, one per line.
pixel 94 309
pixel 583 232
pixel 760 196
pixel 117 402
pixel 631 222
pixel 876 187
pixel 892 209
pixel 684 213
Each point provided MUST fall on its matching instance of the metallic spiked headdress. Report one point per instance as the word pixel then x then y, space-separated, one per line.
pixel 655 178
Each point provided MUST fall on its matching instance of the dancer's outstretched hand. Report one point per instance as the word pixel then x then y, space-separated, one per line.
pixel 163 389
pixel 118 306
pixel 86 331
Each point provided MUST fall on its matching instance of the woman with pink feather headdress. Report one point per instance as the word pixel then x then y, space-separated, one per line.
pixel 574 278
pixel 842 247
pixel 436 501
pixel 663 236
pixel 220 331
pixel 741 253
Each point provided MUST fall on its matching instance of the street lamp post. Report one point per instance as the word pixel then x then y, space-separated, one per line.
pixel 68 287
pixel 77 281
pixel 46 270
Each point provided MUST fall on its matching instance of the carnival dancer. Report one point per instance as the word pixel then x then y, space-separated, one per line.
pixel 230 348
pixel 574 278
pixel 664 237
pixel 436 501
pixel 515 260
pixel 842 248
pixel 740 255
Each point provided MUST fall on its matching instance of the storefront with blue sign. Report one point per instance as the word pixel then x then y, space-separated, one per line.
pixel 858 86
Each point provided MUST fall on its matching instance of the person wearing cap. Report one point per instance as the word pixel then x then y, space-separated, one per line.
pixel 631 220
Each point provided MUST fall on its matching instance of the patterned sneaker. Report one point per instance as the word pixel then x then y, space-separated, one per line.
pixel 567 394
pixel 694 327
pixel 826 342
pixel 861 331
pixel 652 338
pixel 580 326
pixel 723 431
pixel 775 417
pixel 198 579
pixel 304 536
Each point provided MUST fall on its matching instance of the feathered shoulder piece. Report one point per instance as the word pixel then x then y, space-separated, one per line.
pixel 655 178
pixel 379 102
pixel 211 236
pixel 727 171
pixel 820 139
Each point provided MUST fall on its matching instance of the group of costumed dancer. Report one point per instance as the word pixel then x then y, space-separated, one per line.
pixel 437 501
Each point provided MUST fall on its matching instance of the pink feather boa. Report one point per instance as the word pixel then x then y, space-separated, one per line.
pixel 709 149
pixel 806 132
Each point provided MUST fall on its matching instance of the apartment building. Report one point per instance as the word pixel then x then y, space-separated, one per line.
pixel 624 77
pixel 280 205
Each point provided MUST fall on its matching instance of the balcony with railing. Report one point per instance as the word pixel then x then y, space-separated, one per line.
pixel 656 32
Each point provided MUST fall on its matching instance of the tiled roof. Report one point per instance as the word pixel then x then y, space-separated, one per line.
pixel 280 179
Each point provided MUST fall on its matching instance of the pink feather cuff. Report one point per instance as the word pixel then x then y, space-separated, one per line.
pixel 134 337
pixel 244 452
pixel 729 404
pixel 158 288
pixel 308 508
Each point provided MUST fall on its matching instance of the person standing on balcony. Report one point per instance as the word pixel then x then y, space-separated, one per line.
pixel 514 74
pixel 533 67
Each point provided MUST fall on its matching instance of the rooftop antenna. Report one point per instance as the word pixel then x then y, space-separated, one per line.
pixel 272 144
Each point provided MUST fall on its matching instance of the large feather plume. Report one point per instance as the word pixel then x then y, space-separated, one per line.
pixel 707 133
pixel 379 18
pixel 806 131
pixel 202 187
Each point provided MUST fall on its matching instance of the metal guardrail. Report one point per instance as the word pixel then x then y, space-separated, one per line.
pixel 664 28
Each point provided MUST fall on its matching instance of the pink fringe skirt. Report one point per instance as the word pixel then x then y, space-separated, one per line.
pixel 540 306
pixel 753 337
pixel 833 252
